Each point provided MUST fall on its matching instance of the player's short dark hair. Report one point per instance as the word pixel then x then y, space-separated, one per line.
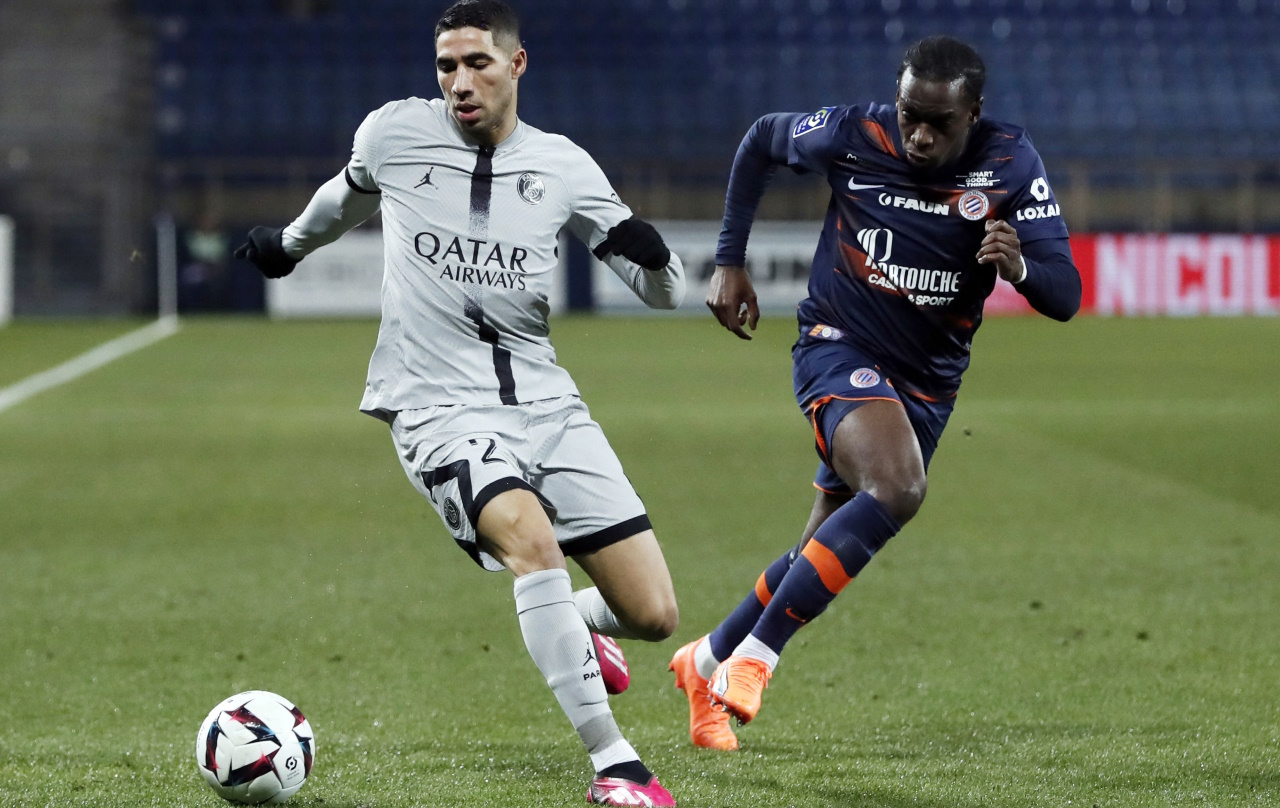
pixel 945 58
pixel 494 16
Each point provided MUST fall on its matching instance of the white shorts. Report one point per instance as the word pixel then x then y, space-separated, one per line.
pixel 461 456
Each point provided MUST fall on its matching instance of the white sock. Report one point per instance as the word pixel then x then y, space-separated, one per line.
pixel 561 647
pixel 703 659
pixel 617 752
pixel 598 616
pixel 753 648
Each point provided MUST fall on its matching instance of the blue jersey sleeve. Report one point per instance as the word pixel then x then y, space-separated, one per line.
pixel 1032 208
pixel 1052 283
pixel 801 141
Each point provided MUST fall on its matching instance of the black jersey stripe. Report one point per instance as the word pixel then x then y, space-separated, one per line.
pixel 481 191
pixel 501 356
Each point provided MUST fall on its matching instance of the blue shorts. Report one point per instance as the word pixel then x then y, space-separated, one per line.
pixel 832 379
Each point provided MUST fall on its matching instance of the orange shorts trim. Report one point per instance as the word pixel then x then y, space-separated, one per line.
pixel 829 491
pixel 820 403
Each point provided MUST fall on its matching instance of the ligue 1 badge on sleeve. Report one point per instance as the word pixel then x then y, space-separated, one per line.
pixel 973 205
pixel 815 121
pixel 530 187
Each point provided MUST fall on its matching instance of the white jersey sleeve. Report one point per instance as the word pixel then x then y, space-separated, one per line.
pixel 596 209
pixel 364 151
pixel 343 202
pixel 335 209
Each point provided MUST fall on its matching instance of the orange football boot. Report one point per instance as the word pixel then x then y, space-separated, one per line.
pixel 708 727
pixel 737 686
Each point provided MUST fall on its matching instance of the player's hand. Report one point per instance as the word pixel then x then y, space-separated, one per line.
pixel 265 250
pixel 1002 248
pixel 637 241
pixel 732 299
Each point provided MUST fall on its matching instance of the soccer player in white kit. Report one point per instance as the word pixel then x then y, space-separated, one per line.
pixel 487 426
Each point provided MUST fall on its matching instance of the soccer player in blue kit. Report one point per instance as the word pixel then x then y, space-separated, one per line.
pixel 930 203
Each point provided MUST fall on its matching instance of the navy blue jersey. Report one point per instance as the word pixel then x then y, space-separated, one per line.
pixel 895 270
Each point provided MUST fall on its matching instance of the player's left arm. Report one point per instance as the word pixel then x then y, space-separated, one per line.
pixel 1042 270
pixel 630 246
pixel 1030 247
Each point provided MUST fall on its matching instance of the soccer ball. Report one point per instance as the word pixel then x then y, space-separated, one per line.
pixel 255 747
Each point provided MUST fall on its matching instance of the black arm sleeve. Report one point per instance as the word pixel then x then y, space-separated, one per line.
pixel 1052 285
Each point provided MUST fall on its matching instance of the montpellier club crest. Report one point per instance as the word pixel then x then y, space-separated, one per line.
pixel 862 378
pixel 530 187
pixel 973 205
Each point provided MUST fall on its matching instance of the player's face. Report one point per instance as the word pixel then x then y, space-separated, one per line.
pixel 478 78
pixel 934 118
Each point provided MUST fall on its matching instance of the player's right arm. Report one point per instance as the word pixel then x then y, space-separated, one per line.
pixel 801 141
pixel 339 205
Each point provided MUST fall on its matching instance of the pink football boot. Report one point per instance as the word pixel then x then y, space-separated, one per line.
pixel 618 792
pixel 613 665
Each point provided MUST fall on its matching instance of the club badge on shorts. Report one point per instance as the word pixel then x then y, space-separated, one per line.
pixel 863 378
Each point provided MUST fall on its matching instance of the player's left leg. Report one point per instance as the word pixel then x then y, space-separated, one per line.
pixel 875 447
pixel 633 597
pixel 735 628
pixel 695 662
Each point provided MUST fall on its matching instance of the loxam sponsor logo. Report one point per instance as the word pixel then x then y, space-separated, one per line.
pixel 907 203
pixel 1030 214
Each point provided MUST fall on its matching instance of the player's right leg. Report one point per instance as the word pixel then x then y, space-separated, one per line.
pixel 873 442
pixel 471 466
pixel 514 529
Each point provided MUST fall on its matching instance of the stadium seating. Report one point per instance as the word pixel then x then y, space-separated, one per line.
pixel 681 80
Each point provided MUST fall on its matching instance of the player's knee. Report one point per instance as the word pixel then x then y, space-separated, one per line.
pixel 902 497
pixel 657 620
pixel 523 543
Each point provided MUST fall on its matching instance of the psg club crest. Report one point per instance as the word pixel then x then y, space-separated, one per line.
pixel 530 187
pixel 863 378
pixel 452 516
pixel 973 205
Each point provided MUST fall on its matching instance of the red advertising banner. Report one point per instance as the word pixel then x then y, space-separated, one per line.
pixel 1141 274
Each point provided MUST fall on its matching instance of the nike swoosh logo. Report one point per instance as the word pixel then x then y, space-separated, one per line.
pixel 853 186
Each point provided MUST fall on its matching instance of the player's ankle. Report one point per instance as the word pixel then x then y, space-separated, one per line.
pixel 632 770
pixel 704 659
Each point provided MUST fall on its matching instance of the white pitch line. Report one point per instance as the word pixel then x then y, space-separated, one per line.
pixel 87 362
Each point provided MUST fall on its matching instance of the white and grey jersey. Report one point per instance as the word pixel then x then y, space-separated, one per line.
pixel 470 241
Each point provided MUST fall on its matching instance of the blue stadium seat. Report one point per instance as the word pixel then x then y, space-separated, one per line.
pixel 1087 77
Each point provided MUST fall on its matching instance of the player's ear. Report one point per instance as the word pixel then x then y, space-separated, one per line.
pixel 519 63
pixel 975 112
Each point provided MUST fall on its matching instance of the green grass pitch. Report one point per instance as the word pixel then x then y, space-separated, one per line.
pixel 1085 613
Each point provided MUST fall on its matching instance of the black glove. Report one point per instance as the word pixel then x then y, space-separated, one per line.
pixel 265 250
pixel 637 241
